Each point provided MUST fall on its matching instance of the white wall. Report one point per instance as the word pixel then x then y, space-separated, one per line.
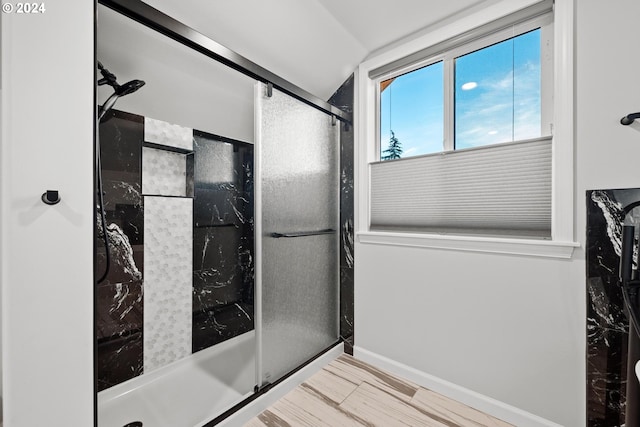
pixel 182 86
pixel 608 88
pixel 509 327
pixel 47 261
pixel 513 327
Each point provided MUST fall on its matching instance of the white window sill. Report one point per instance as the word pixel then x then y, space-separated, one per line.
pixel 496 245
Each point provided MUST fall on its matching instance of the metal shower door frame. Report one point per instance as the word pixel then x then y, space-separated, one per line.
pixel 259 90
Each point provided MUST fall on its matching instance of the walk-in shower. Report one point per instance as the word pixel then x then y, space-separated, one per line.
pixel 222 189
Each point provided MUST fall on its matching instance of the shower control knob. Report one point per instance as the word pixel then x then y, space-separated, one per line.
pixel 51 197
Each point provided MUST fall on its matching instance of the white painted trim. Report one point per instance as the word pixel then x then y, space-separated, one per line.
pixel 496 245
pixel 452 29
pixel 364 149
pixel 470 398
pixel 563 142
pixel 562 216
pixel 263 402
pixel 47 277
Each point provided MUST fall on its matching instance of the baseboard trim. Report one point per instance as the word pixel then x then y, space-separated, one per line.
pixel 470 398
pixel 255 407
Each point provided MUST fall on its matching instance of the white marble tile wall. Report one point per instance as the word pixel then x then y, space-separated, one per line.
pixel 168 287
pixel 163 133
pixel 163 172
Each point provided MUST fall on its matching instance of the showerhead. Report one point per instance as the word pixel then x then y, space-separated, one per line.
pixel 129 87
pixel 108 78
pixel 119 90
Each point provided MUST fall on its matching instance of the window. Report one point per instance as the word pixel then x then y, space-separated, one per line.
pixel 497 93
pixel 480 103
pixel 412 108
pixel 485 92
pixel 448 172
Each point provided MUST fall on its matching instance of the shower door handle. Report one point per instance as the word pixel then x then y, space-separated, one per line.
pixel 303 233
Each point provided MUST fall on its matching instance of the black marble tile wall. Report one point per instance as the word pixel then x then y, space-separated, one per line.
pixel 219 176
pixel 343 98
pixel 607 323
pixel 119 307
pixel 223 247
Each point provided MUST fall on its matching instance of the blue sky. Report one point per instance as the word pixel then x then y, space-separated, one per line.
pixel 500 101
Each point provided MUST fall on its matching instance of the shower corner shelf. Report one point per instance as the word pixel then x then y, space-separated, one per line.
pixel 167 148
pixel 166 195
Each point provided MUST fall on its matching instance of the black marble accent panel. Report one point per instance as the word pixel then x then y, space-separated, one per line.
pixel 119 299
pixel 219 324
pixel 607 322
pixel 343 98
pixel 119 332
pixel 223 242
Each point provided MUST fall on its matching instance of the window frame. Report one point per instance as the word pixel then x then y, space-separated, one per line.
pixel 448 58
pixel 367 147
pixel 402 71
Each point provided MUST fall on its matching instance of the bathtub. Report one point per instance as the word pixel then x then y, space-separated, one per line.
pixel 189 392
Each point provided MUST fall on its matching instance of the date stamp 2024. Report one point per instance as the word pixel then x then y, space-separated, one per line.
pixel 24 8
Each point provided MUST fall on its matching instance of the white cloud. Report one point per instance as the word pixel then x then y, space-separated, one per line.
pixel 492 117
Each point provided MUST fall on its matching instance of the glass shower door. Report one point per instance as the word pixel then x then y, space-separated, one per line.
pixel 297 233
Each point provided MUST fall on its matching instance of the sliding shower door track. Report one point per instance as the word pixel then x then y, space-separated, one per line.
pixel 178 31
pixel 260 391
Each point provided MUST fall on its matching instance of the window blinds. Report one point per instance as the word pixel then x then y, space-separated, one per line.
pixel 502 189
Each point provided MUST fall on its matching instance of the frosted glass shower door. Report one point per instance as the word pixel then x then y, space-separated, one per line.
pixel 297 232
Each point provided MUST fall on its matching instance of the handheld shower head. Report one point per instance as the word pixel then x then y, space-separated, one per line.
pixel 108 78
pixel 129 87
pixel 120 90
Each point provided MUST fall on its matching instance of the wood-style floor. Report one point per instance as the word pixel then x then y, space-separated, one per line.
pixel 349 392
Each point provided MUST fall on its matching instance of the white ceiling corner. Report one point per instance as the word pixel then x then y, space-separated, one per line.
pixel 377 23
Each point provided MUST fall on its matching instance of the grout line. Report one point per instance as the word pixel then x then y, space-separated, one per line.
pixel 342 401
pixel 337 376
pixel 412 405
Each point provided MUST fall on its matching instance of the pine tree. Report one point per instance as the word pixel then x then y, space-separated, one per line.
pixel 394 151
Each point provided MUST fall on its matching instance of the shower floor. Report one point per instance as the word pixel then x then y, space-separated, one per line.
pixel 187 393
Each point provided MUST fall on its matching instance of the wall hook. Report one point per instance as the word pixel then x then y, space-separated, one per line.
pixel 51 197
pixel 627 120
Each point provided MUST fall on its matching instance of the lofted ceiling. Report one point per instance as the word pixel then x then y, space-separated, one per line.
pixel 315 44
pixel 376 23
